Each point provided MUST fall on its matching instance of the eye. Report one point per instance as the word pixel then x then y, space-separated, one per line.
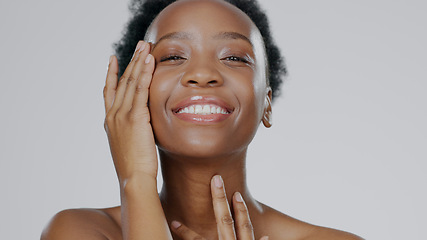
pixel 236 59
pixel 171 58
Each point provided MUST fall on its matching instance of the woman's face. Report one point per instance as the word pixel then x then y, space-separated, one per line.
pixel 208 93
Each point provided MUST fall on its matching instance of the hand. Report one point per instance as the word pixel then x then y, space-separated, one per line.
pixel 127 121
pixel 227 229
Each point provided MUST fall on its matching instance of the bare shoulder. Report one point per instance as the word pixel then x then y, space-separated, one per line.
pixel 320 233
pixel 285 227
pixel 84 223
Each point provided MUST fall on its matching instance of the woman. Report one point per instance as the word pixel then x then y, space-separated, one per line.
pixel 199 91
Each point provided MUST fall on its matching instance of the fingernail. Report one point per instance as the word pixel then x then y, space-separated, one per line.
pixel 176 224
pixel 264 238
pixel 111 59
pixel 218 181
pixel 238 197
pixel 147 59
pixel 136 53
pixel 139 46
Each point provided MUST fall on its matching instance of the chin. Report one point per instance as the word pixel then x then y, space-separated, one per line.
pixel 199 147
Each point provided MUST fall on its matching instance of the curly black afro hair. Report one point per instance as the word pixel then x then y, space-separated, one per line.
pixel 143 13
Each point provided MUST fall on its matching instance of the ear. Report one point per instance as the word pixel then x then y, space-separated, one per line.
pixel 267 118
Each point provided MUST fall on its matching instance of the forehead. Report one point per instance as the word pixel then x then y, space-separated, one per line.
pixel 203 18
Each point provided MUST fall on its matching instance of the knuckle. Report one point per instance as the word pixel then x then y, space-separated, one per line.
pixel 104 92
pixel 109 119
pixel 146 69
pixel 122 79
pixel 242 209
pixel 140 88
pixel 227 220
pixel 247 226
pixel 105 125
pixel 130 80
pixel 221 197
pixel 182 230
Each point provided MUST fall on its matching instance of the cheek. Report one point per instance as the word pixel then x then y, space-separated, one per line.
pixel 250 92
pixel 161 88
pixel 250 108
pixel 162 85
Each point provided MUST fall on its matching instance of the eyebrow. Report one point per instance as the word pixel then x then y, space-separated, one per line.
pixel 173 35
pixel 232 35
pixel 177 35
pixel 189 36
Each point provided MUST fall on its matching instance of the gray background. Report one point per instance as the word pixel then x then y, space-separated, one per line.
pixel 347 148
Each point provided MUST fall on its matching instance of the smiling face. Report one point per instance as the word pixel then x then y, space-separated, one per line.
pixel 209 92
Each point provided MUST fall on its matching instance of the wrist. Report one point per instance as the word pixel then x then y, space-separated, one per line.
pixel 138 181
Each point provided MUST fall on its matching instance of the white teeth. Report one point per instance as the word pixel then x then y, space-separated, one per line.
pixel 206 109
pixel 203 110
pixel 198 109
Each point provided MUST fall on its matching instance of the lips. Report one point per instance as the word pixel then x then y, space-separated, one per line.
pixel 203 109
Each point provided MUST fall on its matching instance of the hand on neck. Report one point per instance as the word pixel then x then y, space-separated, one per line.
pixel 186 194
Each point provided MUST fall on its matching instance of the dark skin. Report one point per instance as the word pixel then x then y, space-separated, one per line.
pixel 206 49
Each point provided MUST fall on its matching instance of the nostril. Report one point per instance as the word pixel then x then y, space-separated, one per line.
pixel 201 83
pixel 212 82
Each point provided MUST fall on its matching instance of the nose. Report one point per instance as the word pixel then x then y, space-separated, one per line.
pixel 202 74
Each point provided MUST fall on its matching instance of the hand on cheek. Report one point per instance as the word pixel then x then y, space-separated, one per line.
pixel 228 228
pixel 127 120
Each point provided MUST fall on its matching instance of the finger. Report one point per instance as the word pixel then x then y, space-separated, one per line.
pixel 118 99
pixel 243 224
pixel 142 88
pixel 223 217
pixel 110 83
pixel 184 232
pixel 138 71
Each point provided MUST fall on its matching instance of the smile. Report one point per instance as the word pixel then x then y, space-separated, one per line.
pixel 203 110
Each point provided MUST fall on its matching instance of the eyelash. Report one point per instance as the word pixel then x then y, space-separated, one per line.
pixel 176 58
pixel 171 58
pixel 236 59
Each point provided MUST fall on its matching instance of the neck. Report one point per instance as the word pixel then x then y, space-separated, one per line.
pixel 186 194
